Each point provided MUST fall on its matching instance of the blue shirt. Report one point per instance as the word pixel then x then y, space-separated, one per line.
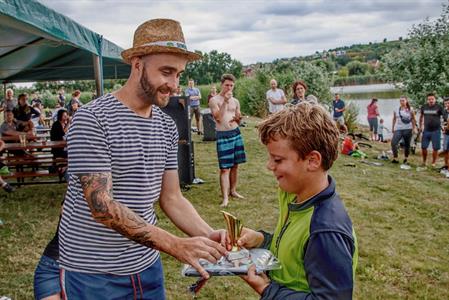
pixel 193 92
pixel 338 104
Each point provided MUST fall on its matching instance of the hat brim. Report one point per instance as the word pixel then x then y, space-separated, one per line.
pixel 154 49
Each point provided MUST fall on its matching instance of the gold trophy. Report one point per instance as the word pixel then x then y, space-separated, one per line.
pixel 234 226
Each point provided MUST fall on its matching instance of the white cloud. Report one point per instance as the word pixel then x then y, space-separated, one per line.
pixel 255 30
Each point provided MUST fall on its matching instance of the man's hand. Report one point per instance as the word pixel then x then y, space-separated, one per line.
pixel 221 236
pixel 257 282
pixel 236 118
pixel 227 97
pixel 250 238
pixel 190 250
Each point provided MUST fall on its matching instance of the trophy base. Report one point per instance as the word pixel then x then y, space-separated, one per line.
pixel 238 258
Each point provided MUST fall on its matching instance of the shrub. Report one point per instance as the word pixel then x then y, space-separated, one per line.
pixel 351 113
pixel 251 93
pixel 48 99
pixel 85 97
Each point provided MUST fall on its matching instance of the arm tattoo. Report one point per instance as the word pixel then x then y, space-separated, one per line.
pixel 113 214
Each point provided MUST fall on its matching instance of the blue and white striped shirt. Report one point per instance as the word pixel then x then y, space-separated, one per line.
pixel 106 136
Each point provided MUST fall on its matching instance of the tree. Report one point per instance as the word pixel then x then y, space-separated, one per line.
pixel 422 62
pixel 210 68
pixel 357 68
pixel 343 72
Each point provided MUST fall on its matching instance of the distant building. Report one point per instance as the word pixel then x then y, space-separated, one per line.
pixel 375 63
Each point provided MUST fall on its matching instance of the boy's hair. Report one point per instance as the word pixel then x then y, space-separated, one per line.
pixel 227 77
pixel 431 95
pixel 307 127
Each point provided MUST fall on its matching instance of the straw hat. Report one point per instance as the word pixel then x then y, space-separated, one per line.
pixel 159 36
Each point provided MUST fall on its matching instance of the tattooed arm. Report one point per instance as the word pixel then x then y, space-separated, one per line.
pixel 97 190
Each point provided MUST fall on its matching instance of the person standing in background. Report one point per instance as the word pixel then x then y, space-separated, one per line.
pixel 404 124
pixel 446 136
pixel 338 107
pixel 195 97
pixel 212 93
pixel 275 98
pixel 430 121
pixel 9 103
pixel 373 113
pixel 61 97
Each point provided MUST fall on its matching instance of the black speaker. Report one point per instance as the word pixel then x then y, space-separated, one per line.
pixel 209 127
pixel 178 109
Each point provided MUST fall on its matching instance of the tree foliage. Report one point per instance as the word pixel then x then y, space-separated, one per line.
pixel 422 62
pixel 357 68
pixel 210 68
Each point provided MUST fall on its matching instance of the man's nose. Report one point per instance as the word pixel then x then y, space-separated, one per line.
pixel 173 82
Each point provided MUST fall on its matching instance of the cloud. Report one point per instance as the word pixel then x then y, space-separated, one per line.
pixel 256 30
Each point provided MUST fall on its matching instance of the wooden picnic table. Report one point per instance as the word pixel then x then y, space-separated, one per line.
pixel 35 145
pixel 34 159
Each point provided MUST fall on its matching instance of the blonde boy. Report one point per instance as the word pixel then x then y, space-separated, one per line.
pixel 314 238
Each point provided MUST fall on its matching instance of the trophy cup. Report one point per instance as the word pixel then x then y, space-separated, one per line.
pixel 237 255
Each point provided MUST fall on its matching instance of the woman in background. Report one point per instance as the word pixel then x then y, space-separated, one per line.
pixel 373 113
pixel 404 124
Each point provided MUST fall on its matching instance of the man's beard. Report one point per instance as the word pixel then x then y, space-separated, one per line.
pixel 150 91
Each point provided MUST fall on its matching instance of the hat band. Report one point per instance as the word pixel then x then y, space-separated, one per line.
pixel 173 44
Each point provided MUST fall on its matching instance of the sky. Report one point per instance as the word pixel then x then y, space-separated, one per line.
pixel 253 30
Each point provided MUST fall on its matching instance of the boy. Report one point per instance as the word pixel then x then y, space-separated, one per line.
pixel 314 239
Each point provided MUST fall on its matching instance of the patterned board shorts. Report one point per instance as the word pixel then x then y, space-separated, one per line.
pixel 230 148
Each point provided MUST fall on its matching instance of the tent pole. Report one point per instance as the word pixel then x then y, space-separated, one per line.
pixel 98 75
pixel 4 90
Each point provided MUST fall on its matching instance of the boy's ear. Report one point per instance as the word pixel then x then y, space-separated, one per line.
pixel 314 159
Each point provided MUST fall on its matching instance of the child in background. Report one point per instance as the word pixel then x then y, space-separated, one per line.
pixel 314 239
pixel 381 131
pixel 348 147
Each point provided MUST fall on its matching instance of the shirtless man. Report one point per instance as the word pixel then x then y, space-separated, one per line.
pixel 226 111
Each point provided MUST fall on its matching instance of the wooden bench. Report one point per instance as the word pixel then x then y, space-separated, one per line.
pixel 37 162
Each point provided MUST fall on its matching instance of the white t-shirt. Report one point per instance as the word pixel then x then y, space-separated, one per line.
pixel 405 115
pixel 277 95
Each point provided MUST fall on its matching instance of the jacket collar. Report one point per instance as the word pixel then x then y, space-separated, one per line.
pixel 325 194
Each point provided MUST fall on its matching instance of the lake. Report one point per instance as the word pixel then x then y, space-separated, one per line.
pixel 386 108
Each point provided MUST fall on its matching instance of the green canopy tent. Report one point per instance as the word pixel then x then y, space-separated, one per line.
pixel 39 44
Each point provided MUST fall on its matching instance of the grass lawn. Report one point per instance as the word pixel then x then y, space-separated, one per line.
pixel 401 219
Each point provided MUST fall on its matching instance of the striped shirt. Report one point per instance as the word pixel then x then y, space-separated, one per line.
pixel 106 136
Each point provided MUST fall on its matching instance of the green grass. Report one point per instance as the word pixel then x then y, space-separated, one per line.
pixel 400 217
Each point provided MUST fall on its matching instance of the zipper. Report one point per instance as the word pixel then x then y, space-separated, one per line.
pixel 284 228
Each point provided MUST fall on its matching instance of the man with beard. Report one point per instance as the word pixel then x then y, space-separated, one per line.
pixel 122 159
pixel 430 120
